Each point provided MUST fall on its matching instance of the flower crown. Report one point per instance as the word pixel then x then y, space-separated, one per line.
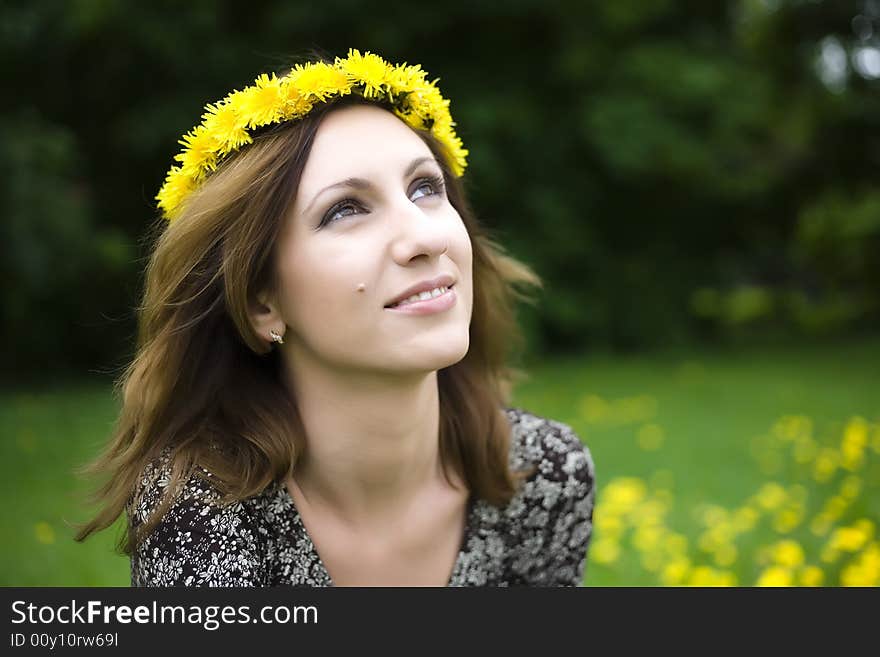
pixel 226 124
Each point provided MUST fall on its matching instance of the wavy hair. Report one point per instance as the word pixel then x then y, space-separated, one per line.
pixel 204 386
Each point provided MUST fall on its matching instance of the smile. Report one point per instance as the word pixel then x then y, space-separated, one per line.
pixel 426 306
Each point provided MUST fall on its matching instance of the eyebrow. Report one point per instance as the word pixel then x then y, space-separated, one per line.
pixel 361 183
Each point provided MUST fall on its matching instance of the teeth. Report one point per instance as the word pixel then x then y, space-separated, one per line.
pixel 422 296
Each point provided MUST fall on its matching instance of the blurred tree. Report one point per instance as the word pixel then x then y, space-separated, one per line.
pixel 643 155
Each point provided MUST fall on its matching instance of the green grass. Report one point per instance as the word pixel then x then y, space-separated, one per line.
pixel 710 404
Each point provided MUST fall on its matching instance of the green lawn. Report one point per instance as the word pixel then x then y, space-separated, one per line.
pixel 704 410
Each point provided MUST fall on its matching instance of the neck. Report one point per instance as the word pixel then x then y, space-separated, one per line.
pixel 372 442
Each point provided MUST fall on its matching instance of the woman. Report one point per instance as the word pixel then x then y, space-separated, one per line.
pixel 320 394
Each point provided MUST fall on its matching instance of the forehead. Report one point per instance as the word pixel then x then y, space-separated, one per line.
pixel 360 140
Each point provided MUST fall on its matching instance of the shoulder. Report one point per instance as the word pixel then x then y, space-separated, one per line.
pixel 198 541
pixel 552 446
pixel 551 515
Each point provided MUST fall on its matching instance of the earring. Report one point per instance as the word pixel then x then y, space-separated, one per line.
pixel 276 338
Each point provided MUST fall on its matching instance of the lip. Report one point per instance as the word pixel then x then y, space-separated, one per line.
pixel 429 306
pixel 444 280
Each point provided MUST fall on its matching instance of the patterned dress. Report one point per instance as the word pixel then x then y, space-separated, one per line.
pixel 540 538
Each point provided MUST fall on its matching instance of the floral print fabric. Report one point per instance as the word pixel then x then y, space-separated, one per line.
pixel 540 538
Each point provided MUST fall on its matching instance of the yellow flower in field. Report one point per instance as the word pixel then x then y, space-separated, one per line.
pixel 850 487
pixel 864 570
pixel 647 538
pixel 624 492
pixel 676 571
pixel 820 525
pixel 788 553
pixel 791 427
pixel 771 496
pixel 775 576
pixel 712 514
pixel 851 539
pixel 811 576
pixel 825 465
pixel 852 446
pixel 707 576
pixel 605 550
pixel 608 525
pixel 853 575
pixel 787 519
pixel 44 532
pixel 650 512
pixel 725 555
pixel 744 519
pixel 650 437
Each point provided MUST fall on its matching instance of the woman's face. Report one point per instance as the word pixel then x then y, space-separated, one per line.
pixel 391 229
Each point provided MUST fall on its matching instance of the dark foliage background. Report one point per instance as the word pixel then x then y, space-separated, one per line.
pixel 676 171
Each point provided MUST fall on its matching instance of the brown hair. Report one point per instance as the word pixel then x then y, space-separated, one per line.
pixel 206 387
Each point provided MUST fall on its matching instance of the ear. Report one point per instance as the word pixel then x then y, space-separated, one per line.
pixel 265 316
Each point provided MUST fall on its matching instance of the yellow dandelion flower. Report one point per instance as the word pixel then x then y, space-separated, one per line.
pixel 825 465
pixel 402 78
pixel 854 575
pixel 775 576
pixel 788 553
pixel 771 496
pixel 853 444
pixel 224 122
pixel 367 69
pixel 788 519
pixel 850 487
pixel 647 539
pixel 263 103
pixel 864 570
pixel 318 81
pixel 744 519
pixel 624 493
pixel 811 576
pixel 705 576
pixel 725 555
pixel 790 427
pixel 848 539
pixel 199 156
pixel 608 524
pixel 176 188
pixel 712 514
pixel 605 551
pixel 676 571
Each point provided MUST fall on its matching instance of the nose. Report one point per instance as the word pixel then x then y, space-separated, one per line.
pixel 417 232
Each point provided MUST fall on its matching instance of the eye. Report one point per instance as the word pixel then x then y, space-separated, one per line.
pixel 434 185
pixel 342 209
